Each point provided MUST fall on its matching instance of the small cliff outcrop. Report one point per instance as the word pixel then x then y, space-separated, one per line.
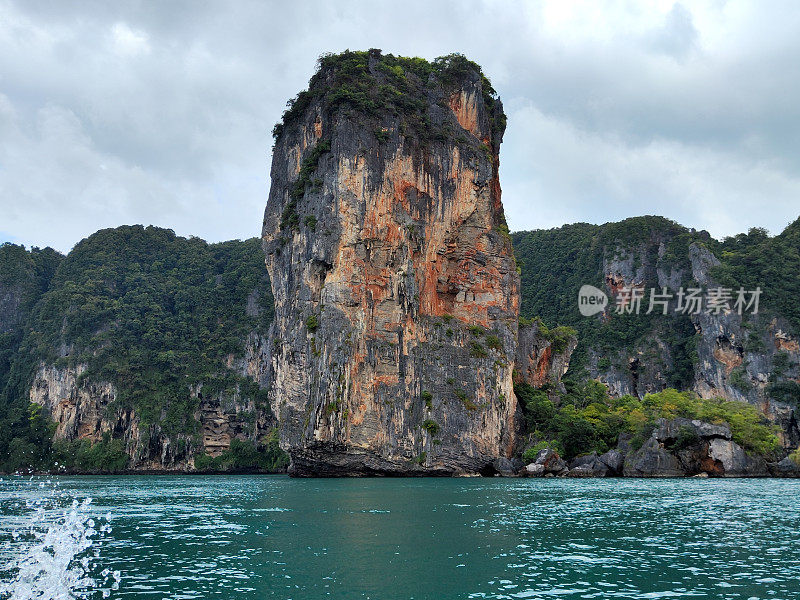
pixel 543 355
pixel 684 447
pixel 396 289
pixel 89 410
pixel 678 447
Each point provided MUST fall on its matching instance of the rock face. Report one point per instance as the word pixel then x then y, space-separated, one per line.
pixel 77 409
pixel 396 290
pixel 85 410
pixel 677 448
pixel 540 359
pixel 786 468
pixel 736 359
pixel 608 464
pixel 547 462
pixel 683 447
pixel 716 354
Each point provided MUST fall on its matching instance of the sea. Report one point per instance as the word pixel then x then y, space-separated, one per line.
pixel 265 536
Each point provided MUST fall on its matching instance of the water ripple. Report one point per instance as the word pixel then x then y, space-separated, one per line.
pixel 274 537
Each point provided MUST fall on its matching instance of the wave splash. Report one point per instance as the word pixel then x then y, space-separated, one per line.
pixel 59 555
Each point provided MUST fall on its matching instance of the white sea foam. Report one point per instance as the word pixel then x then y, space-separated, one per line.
pixel 56 552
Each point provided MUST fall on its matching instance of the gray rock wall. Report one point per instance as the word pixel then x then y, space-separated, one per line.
pixel 396 291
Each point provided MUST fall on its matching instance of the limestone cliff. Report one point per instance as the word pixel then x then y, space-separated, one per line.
pixel 87 409
pixel 753 358
pixel 151 357
pixel 396 290
pixel 738 357
pixel 543 356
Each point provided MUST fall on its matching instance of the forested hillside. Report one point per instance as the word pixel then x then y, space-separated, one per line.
pixel 24 277
pixel 751 358
pixel 555 264
pixel 152 312
pixel 156 316
pixel 773 263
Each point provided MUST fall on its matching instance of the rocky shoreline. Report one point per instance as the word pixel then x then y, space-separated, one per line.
pixel 582 467
pixel 676 448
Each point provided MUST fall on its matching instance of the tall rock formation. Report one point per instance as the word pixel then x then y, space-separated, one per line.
pixel 396 290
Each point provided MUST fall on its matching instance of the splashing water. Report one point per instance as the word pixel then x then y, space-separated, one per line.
pixel 56 550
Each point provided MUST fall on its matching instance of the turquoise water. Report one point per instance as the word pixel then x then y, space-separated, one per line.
pixel 275 537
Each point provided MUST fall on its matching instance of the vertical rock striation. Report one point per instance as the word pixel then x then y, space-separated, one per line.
pixel 82 409
pixel 396 290
pixel 543 356
pixel 735 357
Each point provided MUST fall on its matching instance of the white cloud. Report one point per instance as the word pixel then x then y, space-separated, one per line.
pixel 161 113
pixel 585 176
pixel 129 42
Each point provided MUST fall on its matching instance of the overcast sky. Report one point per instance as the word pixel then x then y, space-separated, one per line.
pixel 160 113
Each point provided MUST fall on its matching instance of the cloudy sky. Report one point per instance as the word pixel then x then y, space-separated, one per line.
pixel 160 112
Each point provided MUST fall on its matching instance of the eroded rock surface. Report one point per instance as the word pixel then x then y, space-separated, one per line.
pixel 396 290
pixel 540 360
pixel 84 409
pixel 735 358
pixel 683 447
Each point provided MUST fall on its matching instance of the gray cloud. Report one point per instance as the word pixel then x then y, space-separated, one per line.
pixel 132 112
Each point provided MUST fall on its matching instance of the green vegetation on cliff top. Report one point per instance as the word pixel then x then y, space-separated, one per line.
pixel 375 84
pixel 755 259
pixel 556 262
pixel 153 313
